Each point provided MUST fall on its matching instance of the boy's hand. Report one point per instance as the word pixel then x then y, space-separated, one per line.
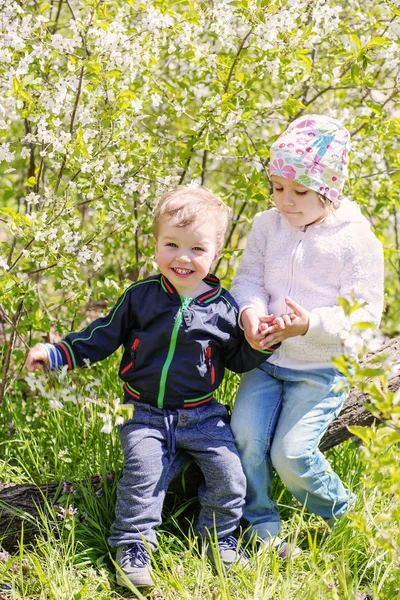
pixel 251 325
pixel 287 325
pixel 37 358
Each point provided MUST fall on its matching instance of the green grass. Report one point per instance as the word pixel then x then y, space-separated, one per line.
pixel 71 559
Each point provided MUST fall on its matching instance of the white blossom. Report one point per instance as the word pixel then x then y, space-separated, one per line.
pixel 3 264
pixel 5 152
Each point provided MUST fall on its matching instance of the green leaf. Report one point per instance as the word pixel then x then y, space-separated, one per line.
pixel 78 595
pixel 114 73
pixel 93 67
pixel 8 194
pixel 340 363
pixel 365 61
pixel 356 41
pixel 26 219
pixel 16 85
pixel 355 71
pixel 392 437
pixel 128 94
pixel 369 372
pixel 364 433
pixel 267 95
pixel 375 107
pixel 378 41
pixel 362 325
pixel 350 307
pixel 394 124
pixel 30 182
pixel 44 7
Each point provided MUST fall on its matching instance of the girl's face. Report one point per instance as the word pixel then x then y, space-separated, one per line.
pixel 298 204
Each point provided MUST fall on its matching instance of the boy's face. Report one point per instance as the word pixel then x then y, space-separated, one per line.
pixel 298 204
pixel 185 255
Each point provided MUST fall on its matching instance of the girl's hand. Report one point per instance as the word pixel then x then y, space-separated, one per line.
pixel 37 358
pixel 287 327
pixel 251 325
pixel 268 326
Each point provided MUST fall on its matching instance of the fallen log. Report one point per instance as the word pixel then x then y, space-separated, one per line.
pixel 23 503
pixel 354 411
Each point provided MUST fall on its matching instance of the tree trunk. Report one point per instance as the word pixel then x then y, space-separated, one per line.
pixel 21 503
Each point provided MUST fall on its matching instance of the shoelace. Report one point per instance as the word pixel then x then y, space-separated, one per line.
pixel 231 543
pixel 138 555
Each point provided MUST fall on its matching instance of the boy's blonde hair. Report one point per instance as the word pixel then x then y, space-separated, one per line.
pixel 187 205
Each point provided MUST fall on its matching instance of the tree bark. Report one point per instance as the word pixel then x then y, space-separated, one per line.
pixel 23 503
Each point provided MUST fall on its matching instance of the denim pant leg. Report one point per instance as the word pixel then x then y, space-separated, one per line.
pixel 147 472
pixel 205 434
pixel 254 418
pixel 310 403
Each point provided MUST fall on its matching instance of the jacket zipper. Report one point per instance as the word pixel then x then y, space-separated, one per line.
pixel 171 350
pixel 299 240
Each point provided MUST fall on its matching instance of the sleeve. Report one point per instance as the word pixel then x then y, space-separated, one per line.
pixel 361 281
pixel 99 339
pixel 248 284
pixel 238 355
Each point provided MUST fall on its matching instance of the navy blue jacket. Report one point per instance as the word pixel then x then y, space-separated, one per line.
pixel 175 348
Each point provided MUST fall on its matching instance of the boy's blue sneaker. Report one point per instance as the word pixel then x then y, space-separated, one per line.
pixel 134 560
pixel 230 552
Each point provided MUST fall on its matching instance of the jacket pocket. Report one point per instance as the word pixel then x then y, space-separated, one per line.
pixel 132 364
pixel 210 365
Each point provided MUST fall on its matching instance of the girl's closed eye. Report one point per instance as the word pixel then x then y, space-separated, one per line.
pixel 297 192
pixel 303 193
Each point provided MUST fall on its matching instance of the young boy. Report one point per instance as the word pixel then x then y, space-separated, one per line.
pixel 179 331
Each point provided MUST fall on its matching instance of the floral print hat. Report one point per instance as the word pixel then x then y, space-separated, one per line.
pixel 313 151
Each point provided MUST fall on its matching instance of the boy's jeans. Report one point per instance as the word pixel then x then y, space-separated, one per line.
pixel 156 445
pixel 278 420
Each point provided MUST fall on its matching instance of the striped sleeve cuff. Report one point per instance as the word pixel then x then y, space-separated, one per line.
pixel 67 355
pixel 54 356
pixel 270 350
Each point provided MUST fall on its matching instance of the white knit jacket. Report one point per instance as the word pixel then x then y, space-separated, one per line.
pixel 339 257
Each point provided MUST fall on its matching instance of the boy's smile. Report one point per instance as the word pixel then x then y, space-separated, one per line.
pixel 185 255
pixel 182 272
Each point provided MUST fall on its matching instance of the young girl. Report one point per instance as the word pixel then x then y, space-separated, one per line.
pixel 300 257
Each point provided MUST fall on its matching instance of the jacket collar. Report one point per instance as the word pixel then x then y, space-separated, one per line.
pixel 205 297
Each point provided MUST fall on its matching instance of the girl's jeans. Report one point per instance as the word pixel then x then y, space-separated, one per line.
pixel 278 420
pixel 156 445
